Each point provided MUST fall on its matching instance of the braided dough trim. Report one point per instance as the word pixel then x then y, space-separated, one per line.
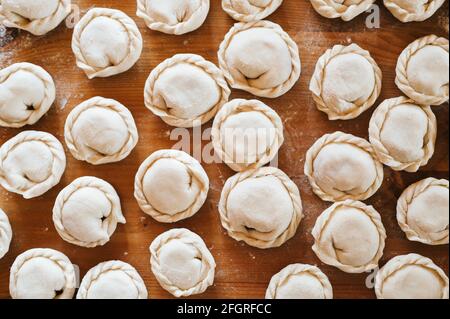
pixel 212 70
pixel 377 122
pixel 229 7
pixel 188 238
pixel 338 138
pixel 195 170
pixel 238 106
pixel 399 262
pixel 405 200
pixel 193 23
pixel 58 167
pixel 246 236
pixel 331 9
pixel 134 36
pixel 114 265
pixel 5 233
pixel 319 74
pixel 297 269
pixel 109 224
pixel 326 218
pixel 293 50
pixel 61 260
pixel 40 26
pixel 405 16
pixel 402 66
pixel 98 158
pixel 49 94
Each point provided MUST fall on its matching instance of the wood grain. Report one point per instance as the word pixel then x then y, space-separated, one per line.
pixel 242 271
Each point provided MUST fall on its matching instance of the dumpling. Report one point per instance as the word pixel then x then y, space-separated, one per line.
pixel 5 233
pixel 186 90
pixel 260 58
pixel 31 163
pixel 403 134
pixel 182 263
pixel 344 9
pixel 247 134
pixel 100 131
pixel 413 10
pixel 106 42
pixel 346 82
pixel 36 17
pixel 27 92
pixel 250 10
pixel 173 16
pixel 112 280
pixel 42 274
pixel 86 212
pixel 171 186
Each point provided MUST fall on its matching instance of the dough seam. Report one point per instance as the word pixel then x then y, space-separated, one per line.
pixel 270 8
pixel 331 10
pixel 405 16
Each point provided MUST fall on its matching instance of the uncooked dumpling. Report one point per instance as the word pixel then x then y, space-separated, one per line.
pixel 403 134
pixel 422 211
pixel 261 207
pixel 27 92
pixel 186 90
pixel 250 10
pixel 42 274
pixel 106 42
pixel 100 131
pixel 423 71
pixel 350 236
pixel 31 163
pixel 260 58
pixel 341 166
pixel 112 280
pixel 411 277
pixel 247 134
pixel 5 233
pixel 36 17
pixel 413 10
pixel 300 281
pixel 344 9
pixel 182 263
pixel 170 186
pixel 86 212
pixel 346 82
pixel 173 16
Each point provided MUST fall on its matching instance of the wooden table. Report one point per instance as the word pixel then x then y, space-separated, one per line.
pixel 242 271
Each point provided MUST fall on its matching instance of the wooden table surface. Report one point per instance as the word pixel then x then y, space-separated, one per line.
pixel 242 271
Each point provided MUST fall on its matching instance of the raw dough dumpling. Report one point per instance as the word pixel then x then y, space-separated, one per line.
pixel 300 281
pixel 42 274
pixel 31 163
pixel 100 131
pixel 106 42
pixel 411 277
pixel 182 263
pixel 186 90
pixel 261 207
pixel 36 17
pixel 247 134
pixel 112 280
pixel 403 134
pixel 350 236
pixel 341 166
pixel 344 9
pixel 250 10
pixel 423 71
pixel 422 211
pixel 171 186
pixel 346 82
pixel 27 92
pixel 260 58
pixel 86 212
pixel 5 233
pixel 413 10
pixel 173 16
